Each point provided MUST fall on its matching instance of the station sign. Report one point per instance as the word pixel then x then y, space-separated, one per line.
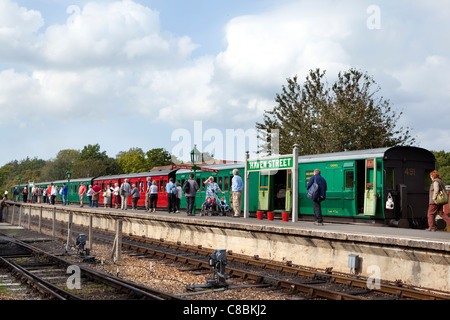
pixel 280 163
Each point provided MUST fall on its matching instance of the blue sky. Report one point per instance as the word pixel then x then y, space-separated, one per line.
pixel 129 74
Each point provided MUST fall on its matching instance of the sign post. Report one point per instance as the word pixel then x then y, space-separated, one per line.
pixel 295 185
pixel 246 187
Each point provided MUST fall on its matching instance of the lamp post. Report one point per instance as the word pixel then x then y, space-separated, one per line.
pixel 195 158
pixel 69 174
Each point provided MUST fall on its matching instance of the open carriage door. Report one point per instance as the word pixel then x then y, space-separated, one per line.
pixel 370 196
pixel 288 203
pixel 265 190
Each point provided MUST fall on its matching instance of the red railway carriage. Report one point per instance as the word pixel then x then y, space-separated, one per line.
pixel 139 179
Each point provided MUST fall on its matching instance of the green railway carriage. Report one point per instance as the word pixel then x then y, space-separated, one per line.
pixel 73 187
pixel 223 178
pixel 388 185
pixel 359 183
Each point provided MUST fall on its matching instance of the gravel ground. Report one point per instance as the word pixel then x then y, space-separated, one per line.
pixel 159 274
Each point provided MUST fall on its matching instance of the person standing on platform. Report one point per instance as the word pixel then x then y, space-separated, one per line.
pixel 433 207
pixel 25 194
pixel 153 197
pixel 81 193
pixel 237 186
pixel 64 192
pixel 147 193
pixel 116 194
pixel 190 188
pixel 135 196
pixel 125 190
pixel 95 195
pixel 171 189
pixel 321 195
pixel 16 194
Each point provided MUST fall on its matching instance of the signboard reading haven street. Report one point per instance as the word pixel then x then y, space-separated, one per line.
pixel 270 164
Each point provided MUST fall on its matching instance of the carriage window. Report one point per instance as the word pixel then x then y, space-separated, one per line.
pixel 349 176
pixel 200 186
pixel 219 182
pixel 390 183
pixel 225 184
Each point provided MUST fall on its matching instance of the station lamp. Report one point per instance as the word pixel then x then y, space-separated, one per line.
pixel 69 174
pixel 195 155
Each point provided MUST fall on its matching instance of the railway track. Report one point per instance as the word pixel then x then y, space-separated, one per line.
pixel 60 279
pixel 307 283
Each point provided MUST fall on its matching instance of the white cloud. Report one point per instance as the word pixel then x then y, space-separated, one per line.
pixel 291 40
pixel 112 59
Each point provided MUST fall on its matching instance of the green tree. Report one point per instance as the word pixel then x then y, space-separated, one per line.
pixel 158 157
pixel 443 165
pixel 57 169
pixel 320 118
pixel 132 161
pixel 92 152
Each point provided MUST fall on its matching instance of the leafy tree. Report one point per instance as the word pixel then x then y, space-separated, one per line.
pixel 158 157
pixel 57 169
pixel 132 161
pixel 95 168
pixel 443 165
pixel 92 152
pixel 320 119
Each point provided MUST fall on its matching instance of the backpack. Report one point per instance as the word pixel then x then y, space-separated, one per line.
pixel 313 191
pixel 173 189
pixel 186 187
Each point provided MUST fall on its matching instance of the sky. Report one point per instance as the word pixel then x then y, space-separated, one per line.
pixel 174 73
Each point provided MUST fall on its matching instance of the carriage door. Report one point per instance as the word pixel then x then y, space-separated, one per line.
pixel 349 189
pixel 288 205
pixel 370 197
pixel 265 190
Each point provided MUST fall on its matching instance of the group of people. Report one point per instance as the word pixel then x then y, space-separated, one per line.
pixel 190 188
pixel 43 195
pixel 119 195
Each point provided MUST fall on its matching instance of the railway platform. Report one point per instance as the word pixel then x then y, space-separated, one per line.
pixel 410 256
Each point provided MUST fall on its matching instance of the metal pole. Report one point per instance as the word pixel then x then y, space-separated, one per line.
pixel 40 220
pixel 246 187
pixel 13 214
pixel 119 241
pixel 91 240
pixel 295 185
pixel 29 219
pixel 69 230
pixel 54 222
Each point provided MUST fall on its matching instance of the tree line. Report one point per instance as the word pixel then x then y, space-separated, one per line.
pixel 88 162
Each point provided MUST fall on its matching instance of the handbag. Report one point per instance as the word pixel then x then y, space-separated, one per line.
pixel 442 197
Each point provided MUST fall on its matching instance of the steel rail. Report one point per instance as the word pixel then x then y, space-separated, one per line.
pixel 120 284
pixel 400 292
pixel 303 288
pixel 38 283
